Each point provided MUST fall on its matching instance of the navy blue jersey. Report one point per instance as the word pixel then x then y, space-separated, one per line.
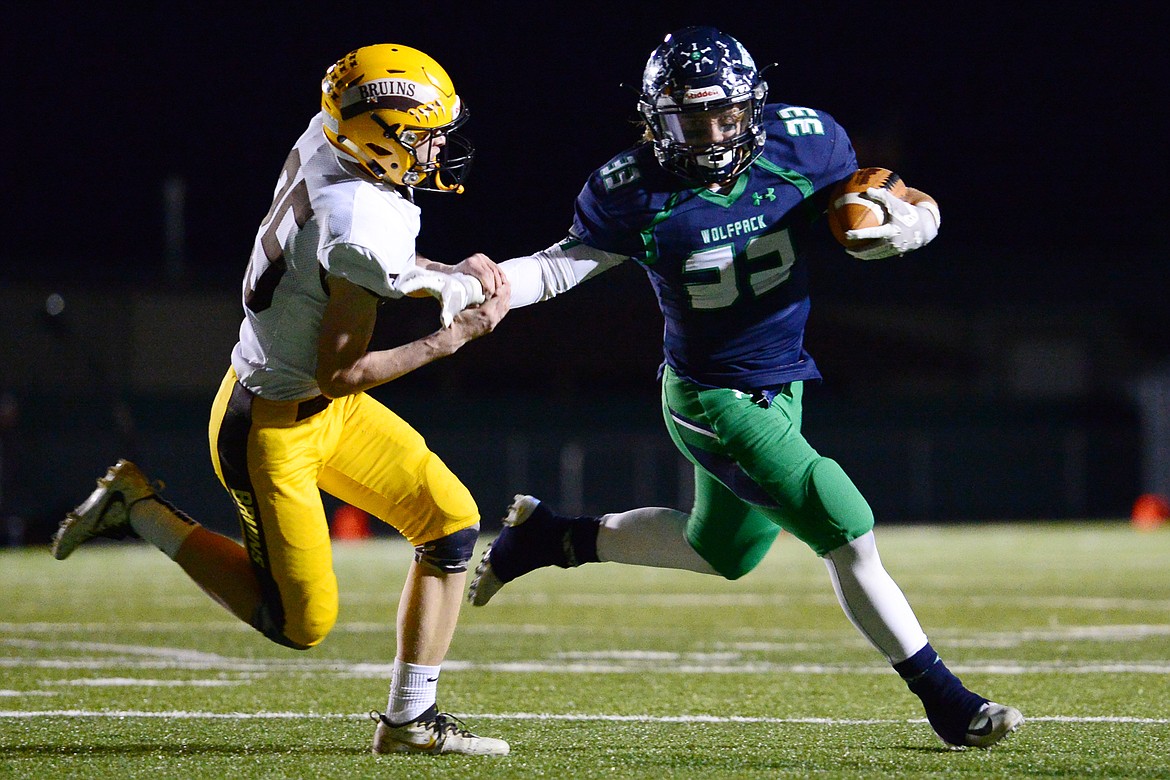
pixel 728 270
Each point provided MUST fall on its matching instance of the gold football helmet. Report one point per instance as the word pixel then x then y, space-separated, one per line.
pixel 393 110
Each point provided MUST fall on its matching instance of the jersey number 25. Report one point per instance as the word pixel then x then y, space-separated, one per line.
pixel 291 200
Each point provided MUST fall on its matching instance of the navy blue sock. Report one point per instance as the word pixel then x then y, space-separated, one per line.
pixel 545 539
pixel 949 706
pixel 582 541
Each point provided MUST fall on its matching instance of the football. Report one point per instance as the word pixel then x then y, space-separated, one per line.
pixel 849 209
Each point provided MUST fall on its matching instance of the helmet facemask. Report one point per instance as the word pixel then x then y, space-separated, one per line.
pixel 436 159
pixel 703 101
pixel 708 142
pixel 393 111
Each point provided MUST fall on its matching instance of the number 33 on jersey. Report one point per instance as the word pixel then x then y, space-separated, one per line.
pixel 727 266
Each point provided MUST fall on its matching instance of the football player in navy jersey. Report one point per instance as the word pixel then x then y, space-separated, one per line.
pixel 717 204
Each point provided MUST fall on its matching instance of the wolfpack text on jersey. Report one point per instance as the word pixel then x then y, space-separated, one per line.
pixel 736 307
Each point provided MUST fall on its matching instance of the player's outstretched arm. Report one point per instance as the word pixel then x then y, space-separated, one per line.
pixel 550 272
pixel 344 366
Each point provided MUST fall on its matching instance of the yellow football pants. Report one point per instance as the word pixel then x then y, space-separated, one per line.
pixel 274 458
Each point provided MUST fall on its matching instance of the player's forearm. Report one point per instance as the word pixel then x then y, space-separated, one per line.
pixel 431 265
pixel 385 365
pixel 552 271
pixel 526 278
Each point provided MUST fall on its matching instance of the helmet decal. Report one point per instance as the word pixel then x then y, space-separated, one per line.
pixel 394 111
pixel 696 57
pixel 393 94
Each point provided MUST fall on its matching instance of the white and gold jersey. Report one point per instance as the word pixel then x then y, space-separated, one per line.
pixel 325 219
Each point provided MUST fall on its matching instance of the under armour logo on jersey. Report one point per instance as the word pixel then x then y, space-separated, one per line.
pixel 757 198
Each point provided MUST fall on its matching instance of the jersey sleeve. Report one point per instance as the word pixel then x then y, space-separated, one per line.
pixel 811 142
pixel 609 213
pixel 359 265
pixel 370 243
pixel 841 160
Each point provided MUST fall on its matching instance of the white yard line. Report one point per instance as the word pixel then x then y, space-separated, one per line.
pixel 155 651
pixel 728 658
pixel 142 682
pixel 197 715
pixel 688 599
pixel 825 597
pixel 1123 632
pixel 662 663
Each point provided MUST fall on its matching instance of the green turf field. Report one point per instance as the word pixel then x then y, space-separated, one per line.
pixel 113 665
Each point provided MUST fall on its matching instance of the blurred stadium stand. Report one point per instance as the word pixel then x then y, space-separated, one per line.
pixel 939 413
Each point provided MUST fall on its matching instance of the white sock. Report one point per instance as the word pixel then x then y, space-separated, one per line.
pixel 651 536
pixel 872 600
pixel 161 525
pixel 413 689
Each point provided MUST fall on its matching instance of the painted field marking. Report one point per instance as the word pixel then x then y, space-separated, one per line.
pixel 1121 632
pixel 141 682
pixel 609 662
pixel 825 597
pixel 716 719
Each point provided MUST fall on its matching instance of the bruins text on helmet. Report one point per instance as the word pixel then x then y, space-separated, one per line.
pixel 393 111
pixel 702 99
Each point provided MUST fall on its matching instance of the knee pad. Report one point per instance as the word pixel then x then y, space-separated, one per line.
pixel 451 553
pixel 841 502
pixel 305 630
pixel 262 621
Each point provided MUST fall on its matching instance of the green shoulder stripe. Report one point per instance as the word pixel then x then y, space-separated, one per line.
pixel 648 242
pixel 797 180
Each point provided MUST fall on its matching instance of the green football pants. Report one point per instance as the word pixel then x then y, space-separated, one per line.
pixel 755 474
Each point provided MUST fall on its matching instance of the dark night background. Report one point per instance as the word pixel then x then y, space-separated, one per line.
pixel 1033 128
pixel 1036 126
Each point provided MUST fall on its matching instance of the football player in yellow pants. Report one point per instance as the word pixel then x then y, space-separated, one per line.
pixel 292 416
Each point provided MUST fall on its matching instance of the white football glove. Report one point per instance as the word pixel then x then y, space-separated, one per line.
pixel 455 291
pixel 909 226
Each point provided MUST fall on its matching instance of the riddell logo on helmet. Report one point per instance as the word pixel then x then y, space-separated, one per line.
pixel 705 93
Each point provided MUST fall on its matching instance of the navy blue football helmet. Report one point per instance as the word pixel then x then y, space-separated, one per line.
pixel 703 101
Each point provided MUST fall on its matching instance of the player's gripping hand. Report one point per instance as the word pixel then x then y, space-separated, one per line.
pixel 909 226
pixel 481 320
pixel 455 291
pixel 483 268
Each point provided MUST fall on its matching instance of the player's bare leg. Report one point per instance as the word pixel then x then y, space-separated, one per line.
pixel 221 567
pixel 126 503
pixel 427 614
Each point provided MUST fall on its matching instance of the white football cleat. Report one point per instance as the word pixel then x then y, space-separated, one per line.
pixel 106 512
pixel 487 582
pixel 484 583
pixel 432 732
pixel 992 723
